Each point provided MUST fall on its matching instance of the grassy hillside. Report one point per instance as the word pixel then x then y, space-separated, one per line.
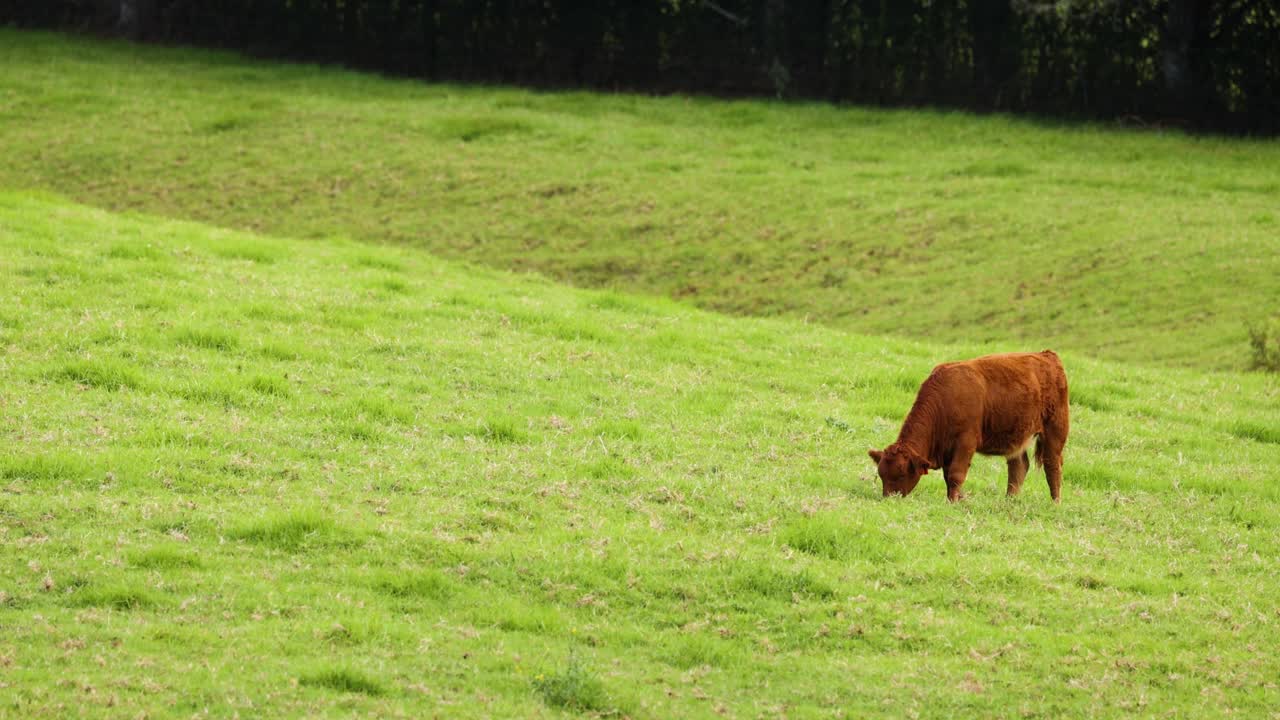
pixel 319 478
pixel 1127 245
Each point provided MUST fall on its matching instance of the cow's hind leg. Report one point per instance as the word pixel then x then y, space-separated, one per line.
pixel 1018 466
pixel 1053 473
pixel 1049 451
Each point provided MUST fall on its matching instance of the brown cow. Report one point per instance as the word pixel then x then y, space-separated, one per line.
pixel 993 405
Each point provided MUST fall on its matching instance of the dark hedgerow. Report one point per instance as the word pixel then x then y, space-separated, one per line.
pixel 1141 59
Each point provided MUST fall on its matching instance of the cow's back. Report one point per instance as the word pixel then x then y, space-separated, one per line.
pixel 1006 398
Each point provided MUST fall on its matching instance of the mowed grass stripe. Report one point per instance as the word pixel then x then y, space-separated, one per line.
pixel 929 225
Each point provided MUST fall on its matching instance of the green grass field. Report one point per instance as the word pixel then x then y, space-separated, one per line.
pixel 1125 245
pixel 309 478
pixel 263 455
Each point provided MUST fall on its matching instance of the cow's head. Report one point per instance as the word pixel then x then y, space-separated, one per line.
pixel 900 469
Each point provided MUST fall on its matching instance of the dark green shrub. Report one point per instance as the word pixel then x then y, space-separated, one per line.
pixel 1264 343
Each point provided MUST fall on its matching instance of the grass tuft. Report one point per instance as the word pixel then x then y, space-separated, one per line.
pixel 395 286
pixel 1088 476
pixel 419 585
pixel 475 128
pixel 118 597
pixel 103 374
pixel 269 385
pixel 779 585
pixel 379 263
pixel 1265 433
pixel 210 391
pixel 207 339
pixel 500 430
pixel 342 680
pixel 611 467
pixel 44 467
pixel 228 123
pixel 134 251
pixel 163 558
pixel 697 651
pixel 281 350
pixel 995 170
pixel 381 409
pixel 360 432
pixel 291 531
pixel 620 429
pixel 247 251
pixel 829 536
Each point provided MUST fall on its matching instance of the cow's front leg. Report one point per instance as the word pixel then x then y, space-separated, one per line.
pixel 958 468
pixel 955 475
pixel 955 471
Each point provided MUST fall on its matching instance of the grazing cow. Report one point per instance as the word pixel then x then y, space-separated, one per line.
pixel 992 405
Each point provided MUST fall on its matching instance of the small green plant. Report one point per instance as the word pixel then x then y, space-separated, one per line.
pixel 572 687
pixel 838 424
pixel 1264 344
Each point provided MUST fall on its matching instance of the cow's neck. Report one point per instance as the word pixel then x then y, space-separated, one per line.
pixel 920 430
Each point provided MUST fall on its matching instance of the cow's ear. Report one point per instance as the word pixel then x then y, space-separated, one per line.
pixel 875 455
pixel 922 465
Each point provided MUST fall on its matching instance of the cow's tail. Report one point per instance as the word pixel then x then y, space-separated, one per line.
pixel 1039 451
